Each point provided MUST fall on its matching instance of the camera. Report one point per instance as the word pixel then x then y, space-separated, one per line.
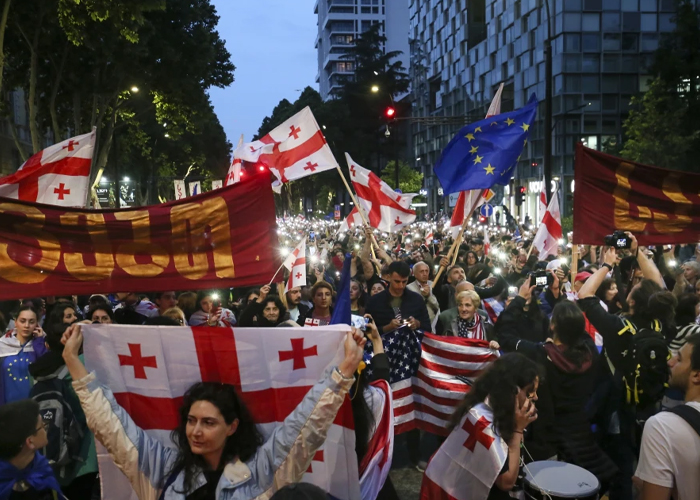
pixel 618 240
pixel 541 279
pixel 512 292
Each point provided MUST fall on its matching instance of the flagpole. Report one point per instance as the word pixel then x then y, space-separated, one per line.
pixel 276 273
pixel 90 187
pixel 359 208
pixel 460 236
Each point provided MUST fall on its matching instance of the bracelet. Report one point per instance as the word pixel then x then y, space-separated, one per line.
pixel 607 265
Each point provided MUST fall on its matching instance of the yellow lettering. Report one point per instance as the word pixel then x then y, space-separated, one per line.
pixel 622 217
pixel 104 262
pixel 48 244
pixel 672 190
pixel 191 241
pixel 126 253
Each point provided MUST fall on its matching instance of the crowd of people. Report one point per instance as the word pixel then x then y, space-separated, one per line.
pixel 600 368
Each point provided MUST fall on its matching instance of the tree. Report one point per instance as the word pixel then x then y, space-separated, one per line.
pixel 662 128
pixel 137 68
pixel 410 180
pixel 654 130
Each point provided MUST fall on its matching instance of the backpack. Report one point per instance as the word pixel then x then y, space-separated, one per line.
pixel 643 364
pixel 64 431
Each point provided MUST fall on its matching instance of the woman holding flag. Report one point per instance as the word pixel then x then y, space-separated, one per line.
pixel 220 455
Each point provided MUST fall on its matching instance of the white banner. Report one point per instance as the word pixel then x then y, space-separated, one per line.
pixel 180 192
pixel 195 188
pixel 217 184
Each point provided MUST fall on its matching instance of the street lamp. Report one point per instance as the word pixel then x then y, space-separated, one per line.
pixel 375 88
pixel 125 179
pixel 134 89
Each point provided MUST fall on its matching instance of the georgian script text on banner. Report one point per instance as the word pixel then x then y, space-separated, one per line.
pixel 659 206
pixel 218 239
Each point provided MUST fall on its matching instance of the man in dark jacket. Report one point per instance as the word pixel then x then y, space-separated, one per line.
pixel 396 305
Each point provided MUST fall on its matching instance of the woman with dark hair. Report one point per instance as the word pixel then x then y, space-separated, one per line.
pixel 502 399
pixel 610 296
pixel 62 312
pixel 470 260
pixel 101 313
pixel 265 311
pixel 357 298
pixel 19 348
pixel 219 452
pixel 210 313
pixel 563 428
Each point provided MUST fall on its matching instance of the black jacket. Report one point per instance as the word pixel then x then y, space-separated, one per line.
pixel 515 324
pixel 412 304
pixel 445 293
pixel 308 314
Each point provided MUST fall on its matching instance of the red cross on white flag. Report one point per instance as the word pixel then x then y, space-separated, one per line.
pixel 293 150
pixel 271 369
pixel 467 464
pixel 386 210
pixel 235 170
pixel 296 263
pixel 58 175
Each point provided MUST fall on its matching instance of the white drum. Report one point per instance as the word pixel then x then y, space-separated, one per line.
pixel 550 480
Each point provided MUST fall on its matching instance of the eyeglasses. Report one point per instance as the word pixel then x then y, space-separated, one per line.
pixel 44 425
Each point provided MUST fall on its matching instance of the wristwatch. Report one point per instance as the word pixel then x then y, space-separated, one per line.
pixel 608 266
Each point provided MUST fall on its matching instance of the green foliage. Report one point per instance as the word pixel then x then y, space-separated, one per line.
pixel 663 128
pixel 91 53
pixel 567 224
pixel 655 132
pixel 410 180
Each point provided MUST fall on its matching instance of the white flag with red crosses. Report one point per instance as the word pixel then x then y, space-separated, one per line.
pixel 272 369
pixel 293 150
pixel 386 209
pixel 466 465
pixel 296 263
pixel 58 175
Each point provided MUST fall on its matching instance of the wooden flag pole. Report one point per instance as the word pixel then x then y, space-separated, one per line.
pixel 574 264
pixel 454 247
pixel 359 208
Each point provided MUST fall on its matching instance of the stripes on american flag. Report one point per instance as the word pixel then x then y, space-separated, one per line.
pixel 426 395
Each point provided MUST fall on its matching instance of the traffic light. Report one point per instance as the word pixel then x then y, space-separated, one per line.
pixel 482 219
pixel 520 195
pixel 390 113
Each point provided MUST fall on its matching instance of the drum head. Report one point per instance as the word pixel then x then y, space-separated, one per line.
pixel 561 480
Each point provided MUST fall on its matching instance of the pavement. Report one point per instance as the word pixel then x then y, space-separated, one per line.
pixel 407 482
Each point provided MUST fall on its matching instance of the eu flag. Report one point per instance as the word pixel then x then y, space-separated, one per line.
pixel 485 153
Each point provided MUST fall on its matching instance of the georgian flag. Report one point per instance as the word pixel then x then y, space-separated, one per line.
pixel 293 150
pixel 58 175
pixel 234 171
pixel 296 263
pixel 354 219
pixel 386 209
pixel 149 369
pixel 542 205
pixel 466 465
pixel 549 233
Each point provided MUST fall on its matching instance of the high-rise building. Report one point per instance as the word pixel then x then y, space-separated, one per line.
pixel 340 22
pixel 462 50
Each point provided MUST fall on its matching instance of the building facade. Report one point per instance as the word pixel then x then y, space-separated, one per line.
pixel 462 50
pixel 340 22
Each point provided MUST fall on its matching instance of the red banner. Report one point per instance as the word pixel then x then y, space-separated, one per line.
pixel 218 239
pixel 659 206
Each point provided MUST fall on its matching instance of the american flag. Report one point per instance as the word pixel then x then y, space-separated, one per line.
pixel 430 375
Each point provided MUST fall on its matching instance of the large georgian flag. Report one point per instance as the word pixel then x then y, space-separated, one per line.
pixel 386 209
pixel 293 150
pixel 549 233
pixel 466 465
pixel 149 369
pixel 58 175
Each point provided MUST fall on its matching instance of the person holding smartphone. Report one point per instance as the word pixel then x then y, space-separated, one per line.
pixel 22 346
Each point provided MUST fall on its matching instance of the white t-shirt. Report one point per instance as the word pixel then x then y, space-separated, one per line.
pixel 670 455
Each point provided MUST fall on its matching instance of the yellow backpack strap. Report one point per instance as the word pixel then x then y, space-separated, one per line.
pixel 656 325
pixel 629 327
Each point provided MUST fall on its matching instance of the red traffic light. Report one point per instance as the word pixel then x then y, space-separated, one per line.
pixel 523 189
pixel 482 219
pixel 390 112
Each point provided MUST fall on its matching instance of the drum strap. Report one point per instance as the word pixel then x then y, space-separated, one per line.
pixel 689 414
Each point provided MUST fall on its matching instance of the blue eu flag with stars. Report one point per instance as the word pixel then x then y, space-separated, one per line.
pixel 485 153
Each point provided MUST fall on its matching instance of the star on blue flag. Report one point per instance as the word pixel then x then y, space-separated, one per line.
pixel 485 153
